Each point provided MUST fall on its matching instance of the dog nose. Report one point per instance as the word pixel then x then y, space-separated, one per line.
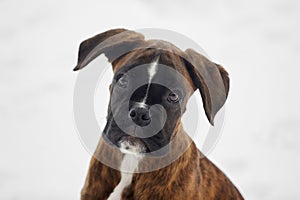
pixel 140 116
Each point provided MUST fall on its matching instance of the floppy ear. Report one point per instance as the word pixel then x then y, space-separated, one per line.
pixel 113 43
pixel 211 79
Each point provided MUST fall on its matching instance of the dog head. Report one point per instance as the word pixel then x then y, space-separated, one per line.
pixel 152 83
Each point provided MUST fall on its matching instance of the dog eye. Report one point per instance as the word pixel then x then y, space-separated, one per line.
pixel 122 81
pixel 173 97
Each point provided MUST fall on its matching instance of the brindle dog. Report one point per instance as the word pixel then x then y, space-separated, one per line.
pixel 191 175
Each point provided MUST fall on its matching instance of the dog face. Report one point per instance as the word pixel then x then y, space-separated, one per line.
pixel 152 111
pixel 152 83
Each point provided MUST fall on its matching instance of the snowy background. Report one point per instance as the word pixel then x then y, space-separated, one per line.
pixel 258 42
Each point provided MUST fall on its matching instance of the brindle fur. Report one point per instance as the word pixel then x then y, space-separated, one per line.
pixel 192 175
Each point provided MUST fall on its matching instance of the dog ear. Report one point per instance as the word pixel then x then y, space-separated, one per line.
pixel 211 79
pixel 113 43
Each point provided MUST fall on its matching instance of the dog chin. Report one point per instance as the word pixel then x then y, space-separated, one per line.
pixel 132 145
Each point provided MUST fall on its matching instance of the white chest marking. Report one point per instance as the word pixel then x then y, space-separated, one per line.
pixel 151 73
pixel 128 166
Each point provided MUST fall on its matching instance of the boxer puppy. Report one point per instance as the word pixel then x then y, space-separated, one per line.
pixel 129 139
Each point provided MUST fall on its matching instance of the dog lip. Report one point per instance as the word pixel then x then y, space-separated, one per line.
pixel 107 140
pixel 110 142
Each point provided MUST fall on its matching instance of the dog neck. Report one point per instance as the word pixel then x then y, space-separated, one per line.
pixel 128 166
pixel 103 182
pixel 167 178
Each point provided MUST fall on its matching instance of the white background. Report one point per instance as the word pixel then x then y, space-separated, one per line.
pixel 258 43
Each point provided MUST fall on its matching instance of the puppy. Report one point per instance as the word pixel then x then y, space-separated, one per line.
pixel 153 81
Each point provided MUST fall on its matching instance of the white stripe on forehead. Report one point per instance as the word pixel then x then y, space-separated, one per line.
pixel 153 69
pixel 151 73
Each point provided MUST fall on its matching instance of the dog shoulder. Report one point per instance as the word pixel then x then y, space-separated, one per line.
pixel 215 184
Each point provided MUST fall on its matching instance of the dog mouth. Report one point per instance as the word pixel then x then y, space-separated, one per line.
pixel 132 145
